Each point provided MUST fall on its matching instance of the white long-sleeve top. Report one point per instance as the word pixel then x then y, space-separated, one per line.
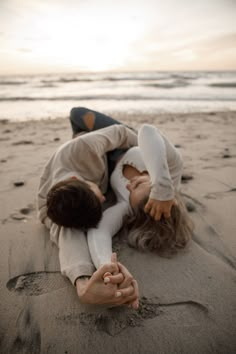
pixel 154 154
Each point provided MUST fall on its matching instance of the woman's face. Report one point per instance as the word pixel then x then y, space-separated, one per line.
pixel 139 188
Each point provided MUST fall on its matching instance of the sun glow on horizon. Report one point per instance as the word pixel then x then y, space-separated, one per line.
pixel 79 43
pixel 134 35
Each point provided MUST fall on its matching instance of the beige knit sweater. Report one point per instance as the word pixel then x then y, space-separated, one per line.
pixel 85 158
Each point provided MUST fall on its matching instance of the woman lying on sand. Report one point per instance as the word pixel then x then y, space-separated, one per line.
pixel 146 181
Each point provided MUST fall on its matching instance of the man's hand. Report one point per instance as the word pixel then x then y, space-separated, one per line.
pixel 97 290
pixel 94 291
pixel 157 208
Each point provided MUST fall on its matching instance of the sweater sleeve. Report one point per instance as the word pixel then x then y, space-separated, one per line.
pixel 110 138
pixel 74 256
pixel 100 239
pixel 162 160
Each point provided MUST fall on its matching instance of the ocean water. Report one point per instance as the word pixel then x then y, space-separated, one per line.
pixel 51 96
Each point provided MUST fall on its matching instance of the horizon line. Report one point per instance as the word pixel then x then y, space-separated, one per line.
pixel 118 71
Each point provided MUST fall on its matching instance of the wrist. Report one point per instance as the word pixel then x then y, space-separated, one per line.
pixel 81 284
pixel 83 292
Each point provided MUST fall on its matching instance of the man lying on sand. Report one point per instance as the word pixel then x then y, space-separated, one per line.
pixel 73 183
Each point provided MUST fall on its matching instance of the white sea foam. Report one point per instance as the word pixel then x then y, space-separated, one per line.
pixel 51 96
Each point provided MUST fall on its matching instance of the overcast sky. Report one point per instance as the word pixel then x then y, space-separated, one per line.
pixel 43 36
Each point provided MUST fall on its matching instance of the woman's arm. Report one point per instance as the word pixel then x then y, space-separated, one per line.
pixel 163 162
pixel 164 165
pixel 100 239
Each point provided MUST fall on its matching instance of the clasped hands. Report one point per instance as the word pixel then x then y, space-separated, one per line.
pixel 111 284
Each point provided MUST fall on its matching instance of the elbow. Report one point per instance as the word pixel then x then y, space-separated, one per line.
pixel 148 130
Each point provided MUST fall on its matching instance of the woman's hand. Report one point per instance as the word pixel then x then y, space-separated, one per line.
pixel 127 286
pixel 97 290
pixel 157 208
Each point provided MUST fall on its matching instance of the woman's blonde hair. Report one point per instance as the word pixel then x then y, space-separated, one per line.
pixel 164 236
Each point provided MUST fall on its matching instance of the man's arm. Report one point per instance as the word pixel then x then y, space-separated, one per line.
pixel 74 256
pixel 108 139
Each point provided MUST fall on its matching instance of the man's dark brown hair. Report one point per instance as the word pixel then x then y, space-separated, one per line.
pixel 71 203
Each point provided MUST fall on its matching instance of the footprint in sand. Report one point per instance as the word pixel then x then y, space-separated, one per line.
pixel 27 210
pixel 37 283
pixel 28 338
pixel 23 213
pixel 114 320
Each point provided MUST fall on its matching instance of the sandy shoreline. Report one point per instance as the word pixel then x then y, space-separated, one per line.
pixel 188 302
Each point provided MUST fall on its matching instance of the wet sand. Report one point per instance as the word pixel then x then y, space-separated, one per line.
pixel 188 302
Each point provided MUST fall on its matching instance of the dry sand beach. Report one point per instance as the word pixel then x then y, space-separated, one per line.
pixel 188 302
